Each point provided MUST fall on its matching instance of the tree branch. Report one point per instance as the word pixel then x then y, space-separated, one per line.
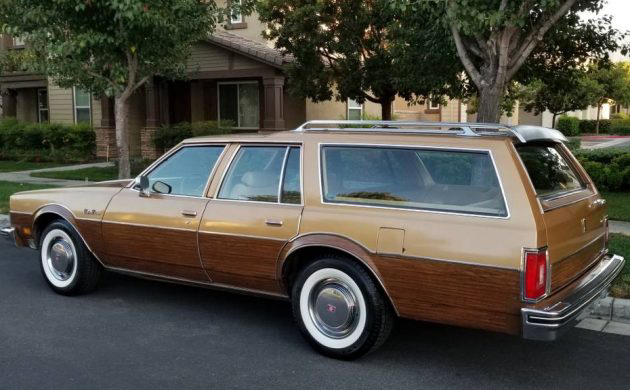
pixel 537 34
pixel 463 55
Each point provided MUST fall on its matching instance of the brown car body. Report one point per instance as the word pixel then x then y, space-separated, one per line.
pixel 444 267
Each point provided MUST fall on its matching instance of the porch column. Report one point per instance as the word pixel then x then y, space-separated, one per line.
pixel 106 132
pixel 9 103
pixel 273 103
pixel 152 121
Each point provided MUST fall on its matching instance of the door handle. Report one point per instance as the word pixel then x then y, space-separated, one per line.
pixel 273 222
pixel 189 213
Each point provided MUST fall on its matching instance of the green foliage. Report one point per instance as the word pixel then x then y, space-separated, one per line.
pixel 620 115
pixel 620 244
pixel 588 126
pixel 363 50
pixel 168 136
pixel 620 126
pixel 568 125
pixel 46 142
pixel 609 169
pixel 574 144
pixel 109 45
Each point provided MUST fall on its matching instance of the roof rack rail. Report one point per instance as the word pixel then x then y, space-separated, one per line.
pixel 410 127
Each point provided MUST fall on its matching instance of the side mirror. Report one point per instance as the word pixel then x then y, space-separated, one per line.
pixel 145 190
pixel 162 188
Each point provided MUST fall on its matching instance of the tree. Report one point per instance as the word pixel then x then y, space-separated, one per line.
pixel 110 46
pixel 362 50
pixel 496 38
pixel 611 82
pixel 558 95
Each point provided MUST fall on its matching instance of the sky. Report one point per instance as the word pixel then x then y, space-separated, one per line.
pixel 620 11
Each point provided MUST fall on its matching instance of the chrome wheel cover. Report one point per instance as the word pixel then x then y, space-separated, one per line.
pixel 333 308
pixel 59 258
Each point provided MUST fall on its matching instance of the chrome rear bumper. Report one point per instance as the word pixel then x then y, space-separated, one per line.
pixel 9 234
pixel 550 322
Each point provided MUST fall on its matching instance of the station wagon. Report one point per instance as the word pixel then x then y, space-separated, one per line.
pixel 355 223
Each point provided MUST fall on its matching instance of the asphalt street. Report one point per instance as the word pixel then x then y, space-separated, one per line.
pixel 137 334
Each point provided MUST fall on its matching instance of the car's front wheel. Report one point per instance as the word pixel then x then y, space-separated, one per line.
pixel 66 262
pixel 340 309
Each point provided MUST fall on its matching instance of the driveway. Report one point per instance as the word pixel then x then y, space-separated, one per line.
pixel 136 334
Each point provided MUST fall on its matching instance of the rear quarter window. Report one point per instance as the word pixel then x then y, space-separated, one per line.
pixel 462 182
pixel 550 172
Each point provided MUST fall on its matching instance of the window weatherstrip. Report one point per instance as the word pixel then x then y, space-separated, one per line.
pixel 439 148
pixel 282 173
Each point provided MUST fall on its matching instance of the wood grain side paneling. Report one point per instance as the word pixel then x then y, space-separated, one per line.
pixel 570 268
pixel 169 252
pixel 224 258
pixel 453 293
pixel 90 230
pixel 437 291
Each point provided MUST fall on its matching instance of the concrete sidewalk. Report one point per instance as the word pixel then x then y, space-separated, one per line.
pixel 25 176
pixel 620 227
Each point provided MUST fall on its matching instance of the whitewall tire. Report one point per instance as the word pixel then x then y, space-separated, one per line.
pixel 339 308
pixel 66 263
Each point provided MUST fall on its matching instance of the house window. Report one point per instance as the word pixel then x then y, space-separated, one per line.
pixel 434 105
pixel 237 16
pixel 82 106
pixel 239 104
pixel 355 110
pixel 42 105
pixel 18 42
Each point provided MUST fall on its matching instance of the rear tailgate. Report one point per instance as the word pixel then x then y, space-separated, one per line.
pixel 575 216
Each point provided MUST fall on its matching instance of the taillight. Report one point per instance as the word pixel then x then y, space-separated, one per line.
pixel 536 274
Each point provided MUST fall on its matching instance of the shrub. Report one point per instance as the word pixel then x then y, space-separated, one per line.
pixel 46 142
pixel 609 169
pixel 170 135
pixel 589 126
pixel 574 144
pixel 620 115
pixel 568 125
pixel 620 126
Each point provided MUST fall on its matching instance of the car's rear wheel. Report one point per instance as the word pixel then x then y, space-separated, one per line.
pixel 340 309
pixel 66 262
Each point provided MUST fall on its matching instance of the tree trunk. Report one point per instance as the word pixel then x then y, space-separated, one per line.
pixel 599 108
pixel 553 120
pixel 489 110
pixel 386 109
pixel 122 135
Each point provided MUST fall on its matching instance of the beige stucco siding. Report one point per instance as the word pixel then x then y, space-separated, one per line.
pixel 96 111
pixel 60 104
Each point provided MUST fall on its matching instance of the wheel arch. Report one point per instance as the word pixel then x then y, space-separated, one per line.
pixel 303 250
pixel 52 212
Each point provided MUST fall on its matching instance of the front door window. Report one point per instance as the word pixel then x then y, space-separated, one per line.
pixel 186 172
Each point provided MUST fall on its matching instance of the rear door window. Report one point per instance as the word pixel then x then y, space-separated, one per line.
pixel 550 172
pixel 463 182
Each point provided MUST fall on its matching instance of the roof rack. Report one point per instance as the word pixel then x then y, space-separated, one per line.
pixel 410 127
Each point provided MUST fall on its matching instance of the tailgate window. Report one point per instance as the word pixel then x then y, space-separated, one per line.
pixel 550 172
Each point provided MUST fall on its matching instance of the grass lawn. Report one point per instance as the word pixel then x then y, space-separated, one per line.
pixel 620 245
pixel 15 166
pixel 91 174
pixel 618 205
pixel 7 189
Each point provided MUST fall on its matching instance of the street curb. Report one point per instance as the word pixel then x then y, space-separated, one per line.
pixel 613 309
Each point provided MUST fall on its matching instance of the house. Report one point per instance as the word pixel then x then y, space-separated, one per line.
pixel 234 74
